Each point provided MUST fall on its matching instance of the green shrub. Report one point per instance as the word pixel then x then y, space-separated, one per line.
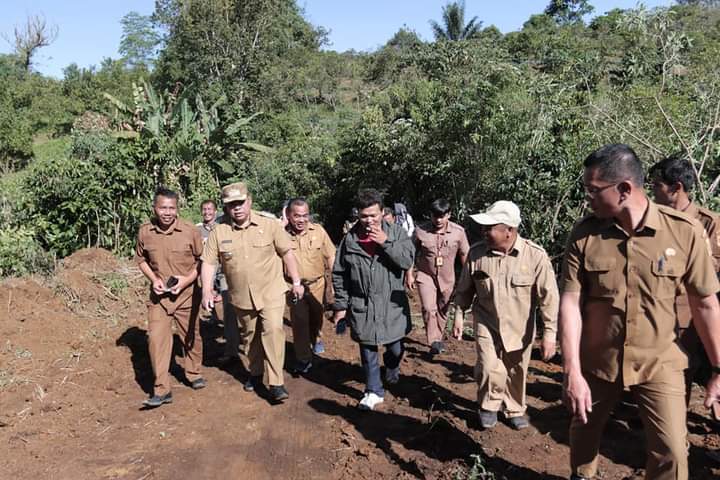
pixel 21 254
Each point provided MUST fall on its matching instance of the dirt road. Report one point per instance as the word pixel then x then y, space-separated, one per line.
pixel 74 370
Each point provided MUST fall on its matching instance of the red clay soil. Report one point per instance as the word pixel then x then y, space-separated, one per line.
pixel 74 370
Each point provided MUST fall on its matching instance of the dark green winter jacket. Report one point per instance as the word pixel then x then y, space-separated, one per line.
pixel 371 289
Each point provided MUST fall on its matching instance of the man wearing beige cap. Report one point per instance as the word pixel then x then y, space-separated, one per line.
pixel 507 276
pixel 252 249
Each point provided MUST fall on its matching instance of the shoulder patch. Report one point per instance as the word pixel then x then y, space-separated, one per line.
pixel 455 225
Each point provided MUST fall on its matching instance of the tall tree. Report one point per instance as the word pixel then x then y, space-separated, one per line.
pixel 453 23
pixel 700 3
pixel 568 11
pixel 31 36
pixel 139 41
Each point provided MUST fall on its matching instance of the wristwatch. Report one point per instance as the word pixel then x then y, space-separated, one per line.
pixel 297 284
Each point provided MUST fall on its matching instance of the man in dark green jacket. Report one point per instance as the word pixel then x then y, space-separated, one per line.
pixel 368 277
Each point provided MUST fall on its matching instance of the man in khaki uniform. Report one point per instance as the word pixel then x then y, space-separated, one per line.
pixel 621 271
pixel 508 277
pixel 252 249
pixel 672 180
pixel 169 248
pixel 315 254
pixel 438 244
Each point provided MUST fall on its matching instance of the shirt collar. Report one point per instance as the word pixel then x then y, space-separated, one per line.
pixel 288 228
pixel 175 226
pixel 253 221
pixel 516 249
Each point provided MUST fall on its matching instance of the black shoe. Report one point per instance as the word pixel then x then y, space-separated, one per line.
pixel 302 367
pixel 198 384
pixel 278 393
pixel 252 383
pixel 157 400
pixel 437 348
pixel 226 360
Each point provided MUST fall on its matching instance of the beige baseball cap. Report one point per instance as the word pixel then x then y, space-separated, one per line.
pixel 235 192
pixel 502 211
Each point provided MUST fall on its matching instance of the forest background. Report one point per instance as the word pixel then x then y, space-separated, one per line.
pixel 209 92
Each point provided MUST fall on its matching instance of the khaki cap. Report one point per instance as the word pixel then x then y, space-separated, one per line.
pixel 502 211
pixel 235 192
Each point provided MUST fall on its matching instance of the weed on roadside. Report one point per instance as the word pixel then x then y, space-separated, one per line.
pixel 478 471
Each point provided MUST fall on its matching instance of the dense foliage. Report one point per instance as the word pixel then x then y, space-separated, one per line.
pixel 242 91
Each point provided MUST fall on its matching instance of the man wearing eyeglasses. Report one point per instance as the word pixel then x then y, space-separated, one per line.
pixel 622 268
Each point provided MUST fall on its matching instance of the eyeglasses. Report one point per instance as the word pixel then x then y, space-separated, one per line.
pixel 593 191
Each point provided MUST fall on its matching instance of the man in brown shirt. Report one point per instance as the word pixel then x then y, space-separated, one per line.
pixel 252 249
pixel 167 252
pixel 622 268
pixel 508 277
pixel 438 244
pixel 315 254
pixel 672 180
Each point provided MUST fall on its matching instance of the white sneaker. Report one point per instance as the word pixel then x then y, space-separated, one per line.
pixel 369 401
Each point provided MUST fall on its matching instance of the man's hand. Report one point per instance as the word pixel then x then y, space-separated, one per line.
pixel 410 280
pixel 712 391
pixel 298 291
pixel 458 323
pixel 217 296
pixel 182 283
pixel 338 315
pixel 208 300
pixel 577 396
pixel 377 234
pixel 548 349
pixel 158 286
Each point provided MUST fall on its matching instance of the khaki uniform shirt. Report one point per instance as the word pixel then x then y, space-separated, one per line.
pixel 506 289
pixel 627 289
pixel 169 253
pixel 314 251
pixel 709 220
pixel 436 252
pixel 251 260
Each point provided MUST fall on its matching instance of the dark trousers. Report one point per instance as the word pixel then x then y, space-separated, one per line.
pixel 371 365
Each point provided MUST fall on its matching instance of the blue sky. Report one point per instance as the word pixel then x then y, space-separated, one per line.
pixel 89 30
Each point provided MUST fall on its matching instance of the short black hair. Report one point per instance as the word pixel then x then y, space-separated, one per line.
pixel 208 201
pixel 674 169
pixel 296 202
pixel 368 197
pixel 616 162
pixel 388 211
pixel 439 207
pixel 164 192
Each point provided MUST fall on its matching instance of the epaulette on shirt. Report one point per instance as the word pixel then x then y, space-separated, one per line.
pixel 671 212
pixel 706 212
pixel 534 245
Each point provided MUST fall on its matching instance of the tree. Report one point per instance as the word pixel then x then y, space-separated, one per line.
pixel 700 3
pixel 139 40
pixel 453 26
pixel 568 11
pixel 27 39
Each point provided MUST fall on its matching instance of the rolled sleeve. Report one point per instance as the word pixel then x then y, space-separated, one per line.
pixel 570 278
pixel 139 257
pixel 281 239
pixel 210 250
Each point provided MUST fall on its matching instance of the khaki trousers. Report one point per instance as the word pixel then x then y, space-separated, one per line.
pixel 307 317
pixel 661 404
pixel 435 304
pixel 160 343
pixel 500 375
pixel 263 341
